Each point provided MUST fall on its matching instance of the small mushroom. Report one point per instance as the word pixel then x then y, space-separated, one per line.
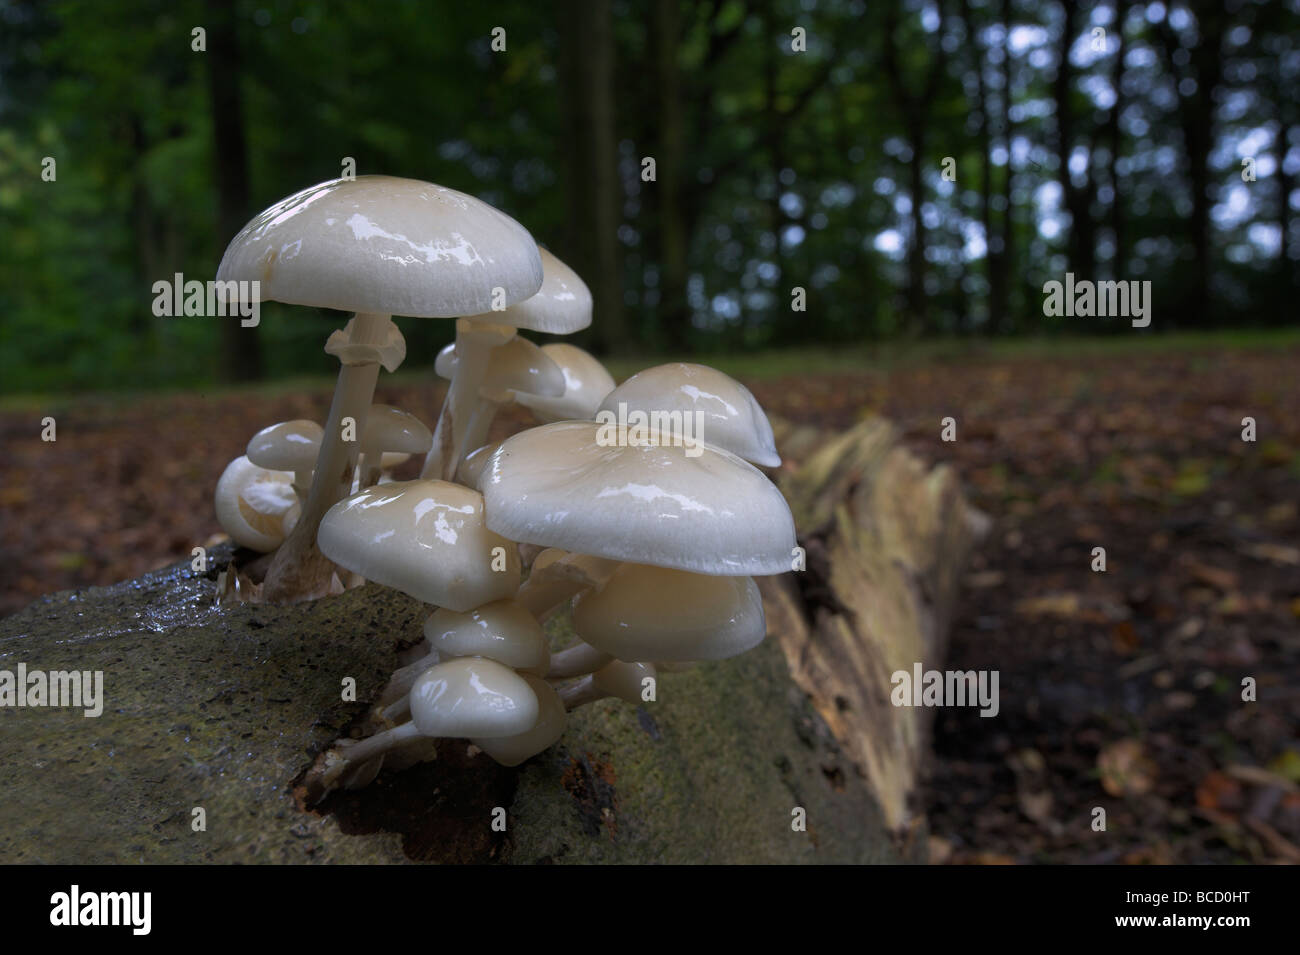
pixel 472 697
pixel 633 616
pixel 544 733
pixel 390 430
pixel 465 698
pixel 586 383
pixel 728 415
pixel 502 630
pixel 564 485
pixel 424 538
pixel 257 507
pixel 288 446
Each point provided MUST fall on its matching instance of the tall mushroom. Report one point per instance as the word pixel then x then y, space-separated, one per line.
pixel 513 368
pixel 561 306
pixel 377 246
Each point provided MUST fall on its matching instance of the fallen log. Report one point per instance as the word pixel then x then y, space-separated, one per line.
pixel 211 716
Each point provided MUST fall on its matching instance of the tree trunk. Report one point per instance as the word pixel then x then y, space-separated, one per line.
pixel 1081 245
pixel 674 314
pixel 1115 138
pixel 586 63
pixel 1007 322
pixel 241 356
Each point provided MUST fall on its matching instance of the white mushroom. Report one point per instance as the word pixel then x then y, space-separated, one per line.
pixel 568 485
pixel 465 698
pixel 544 733
pixel 586 383
pixel 424 538
pixel 674 394
pixel 390 430
pixel 377 246
pixel 502 631
pixel 707 617
pixel 472 697
pixel 257 507
pixel 288 446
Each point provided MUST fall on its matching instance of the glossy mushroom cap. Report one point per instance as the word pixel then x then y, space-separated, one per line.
pixel 501 631
pixel 424 538
pixel 518 365
pixel 556 486
pixel 472 697
pixel 654 613
pixel 586 383
pixel 390 429
pixel 387 246
pixel 732 419
pixel 257 507
pixel 287 446
pixel 544 733
pixel 561 306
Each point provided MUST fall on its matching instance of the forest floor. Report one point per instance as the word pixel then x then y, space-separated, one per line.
pixel 1119 690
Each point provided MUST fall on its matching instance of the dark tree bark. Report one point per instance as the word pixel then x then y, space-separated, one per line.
pixel 241 356
pixel 914 112
pixel 1286 264
pixel 1115 139
pixel 586 63
pixel 1196 118
pixel 1081 245
pixel 674 314
pixel 1007 321
pixel 993 258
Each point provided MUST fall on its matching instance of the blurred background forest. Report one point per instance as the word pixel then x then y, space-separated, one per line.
pixel 1105 138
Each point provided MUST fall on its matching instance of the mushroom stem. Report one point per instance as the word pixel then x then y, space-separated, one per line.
pixel 399 684
pixel 299 570
pixel 344 759
pixel 580 694
pixel 449 444
pixel 543 599
pixel 400 710
pixel 480 422
pixel 576 661
pixel 302 484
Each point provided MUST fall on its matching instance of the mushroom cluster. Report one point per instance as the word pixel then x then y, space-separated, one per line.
pixel 638 509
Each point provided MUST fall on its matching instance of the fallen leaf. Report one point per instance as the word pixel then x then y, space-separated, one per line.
pixel 1125 768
